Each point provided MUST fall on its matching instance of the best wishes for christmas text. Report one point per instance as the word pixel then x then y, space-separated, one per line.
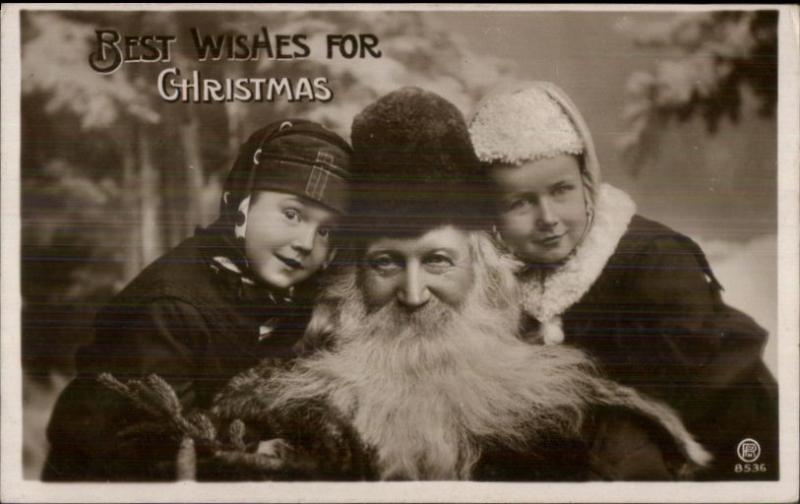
pixel 114 49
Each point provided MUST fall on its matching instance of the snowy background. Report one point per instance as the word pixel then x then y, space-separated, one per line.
pixel 681 107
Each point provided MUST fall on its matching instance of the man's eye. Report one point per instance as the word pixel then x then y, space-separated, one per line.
pixel 439 260
pixel 562 189
pixel 291 214
pixel 324 232
pixel 383 263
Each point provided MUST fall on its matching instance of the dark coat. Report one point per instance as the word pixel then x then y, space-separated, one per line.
pixel 185 318
pixel 615 445
pixel 655 320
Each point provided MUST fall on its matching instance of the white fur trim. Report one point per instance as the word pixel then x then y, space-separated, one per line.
pixel 547 298
pixel 552 332
pixel 523 126
pixel 696 452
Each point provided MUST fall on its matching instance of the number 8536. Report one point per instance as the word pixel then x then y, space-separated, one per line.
pixel 750 468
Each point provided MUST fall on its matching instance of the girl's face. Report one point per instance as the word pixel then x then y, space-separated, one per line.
pixel 543 209
pixel 287 238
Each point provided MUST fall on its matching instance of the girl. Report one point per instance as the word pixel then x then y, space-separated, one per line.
pixel 638 296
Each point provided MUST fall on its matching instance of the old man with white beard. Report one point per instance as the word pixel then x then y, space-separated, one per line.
pixel 417 369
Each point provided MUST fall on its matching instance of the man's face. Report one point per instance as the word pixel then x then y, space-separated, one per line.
pixel 413 272
pixel 287 237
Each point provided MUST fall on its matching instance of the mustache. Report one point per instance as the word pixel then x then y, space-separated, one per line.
pixel 424 320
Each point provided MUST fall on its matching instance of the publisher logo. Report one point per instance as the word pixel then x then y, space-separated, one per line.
pixel 748 450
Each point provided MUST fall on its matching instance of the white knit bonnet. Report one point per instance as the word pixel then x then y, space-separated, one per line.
pixel 528 121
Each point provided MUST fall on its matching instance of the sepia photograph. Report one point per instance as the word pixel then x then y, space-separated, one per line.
pixel 400 253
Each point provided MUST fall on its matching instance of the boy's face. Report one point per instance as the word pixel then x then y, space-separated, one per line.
pixel 542 208
pixel 287 237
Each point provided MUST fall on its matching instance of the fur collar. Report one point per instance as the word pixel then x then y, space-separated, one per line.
pixel 546 298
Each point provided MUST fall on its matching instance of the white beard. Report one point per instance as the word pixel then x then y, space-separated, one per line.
pixel 427 390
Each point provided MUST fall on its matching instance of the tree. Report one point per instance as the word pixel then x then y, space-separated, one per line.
pixel 720 56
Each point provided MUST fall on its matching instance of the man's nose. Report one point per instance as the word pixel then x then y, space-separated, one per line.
pixel 304 239
pixel 413 293
pixel 547 218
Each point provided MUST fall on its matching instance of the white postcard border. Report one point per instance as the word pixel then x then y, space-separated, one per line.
pixel 15 489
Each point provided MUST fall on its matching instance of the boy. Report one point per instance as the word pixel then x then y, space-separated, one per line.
pixel 233 294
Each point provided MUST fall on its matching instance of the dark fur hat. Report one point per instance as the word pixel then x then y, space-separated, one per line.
pixel 414 167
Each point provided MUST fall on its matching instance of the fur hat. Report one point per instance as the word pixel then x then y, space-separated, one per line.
pixel 414 167
pixel 515 126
